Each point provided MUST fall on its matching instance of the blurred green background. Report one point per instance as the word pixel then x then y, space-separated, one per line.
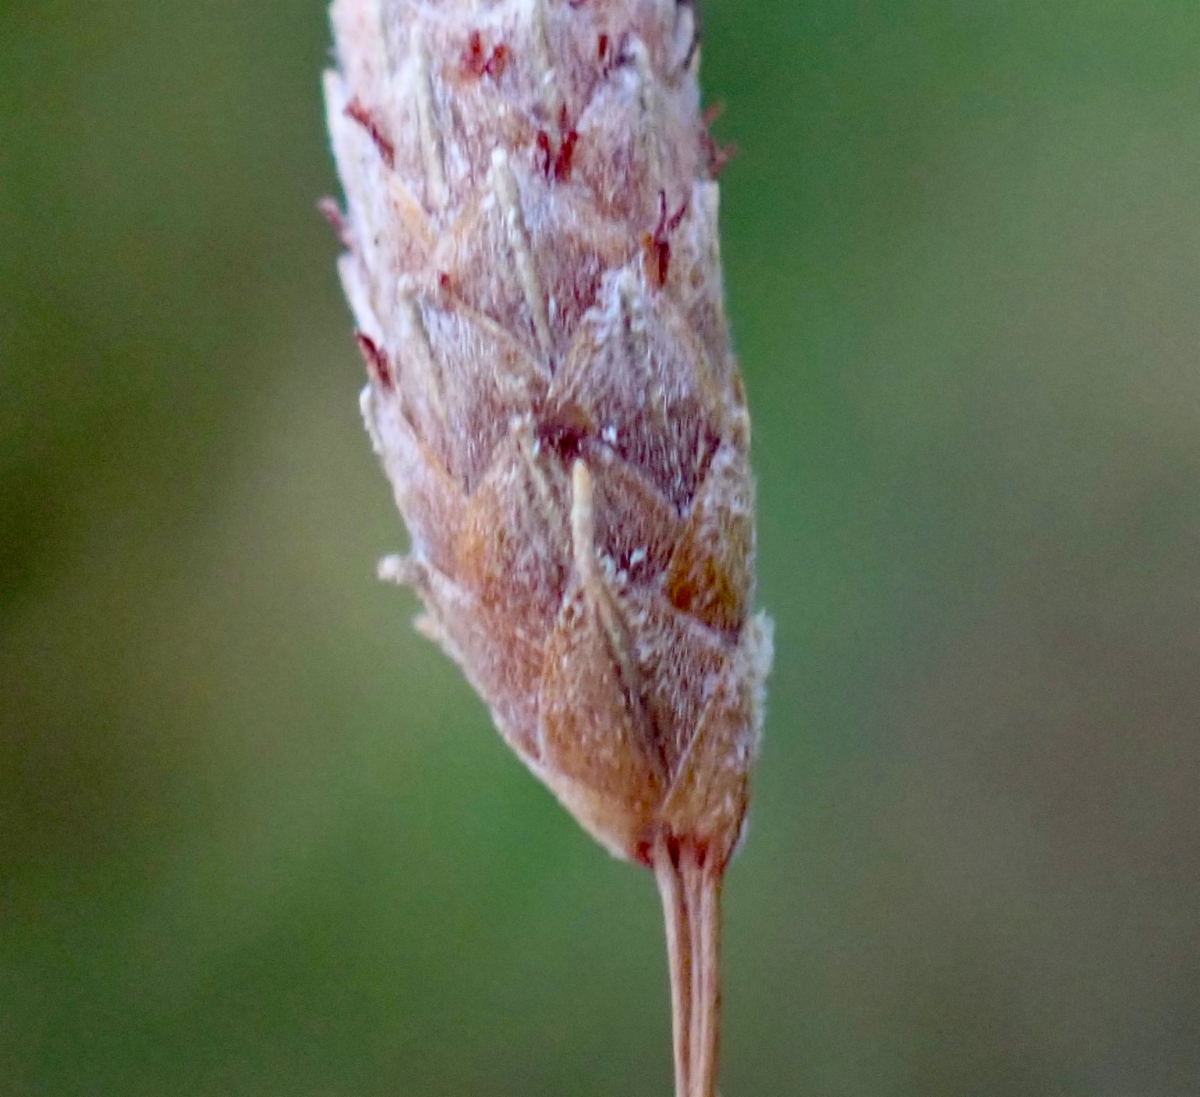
pixel 257 838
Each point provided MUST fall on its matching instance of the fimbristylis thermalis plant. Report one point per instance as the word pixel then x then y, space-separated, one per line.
pixel 533 265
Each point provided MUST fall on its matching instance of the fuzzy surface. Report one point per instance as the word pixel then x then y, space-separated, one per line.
pixel 533 266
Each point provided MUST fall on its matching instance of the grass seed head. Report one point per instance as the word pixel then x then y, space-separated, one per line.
pixel 533 266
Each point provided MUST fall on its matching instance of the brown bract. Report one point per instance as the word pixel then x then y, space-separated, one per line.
pixel 533 266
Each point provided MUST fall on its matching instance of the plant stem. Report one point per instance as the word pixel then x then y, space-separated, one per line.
pixel 706 983
pixel 691 896
pixel 679 958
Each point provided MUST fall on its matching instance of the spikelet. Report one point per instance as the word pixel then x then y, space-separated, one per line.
pixel 533 265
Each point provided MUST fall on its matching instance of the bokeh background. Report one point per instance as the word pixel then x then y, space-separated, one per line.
pixel 257 838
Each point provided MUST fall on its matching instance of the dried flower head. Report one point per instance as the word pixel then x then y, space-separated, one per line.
pixel 533 265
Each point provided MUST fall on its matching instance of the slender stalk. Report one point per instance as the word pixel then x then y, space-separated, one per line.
pixel 706 1000
pixel 679 957
pixel 691 894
